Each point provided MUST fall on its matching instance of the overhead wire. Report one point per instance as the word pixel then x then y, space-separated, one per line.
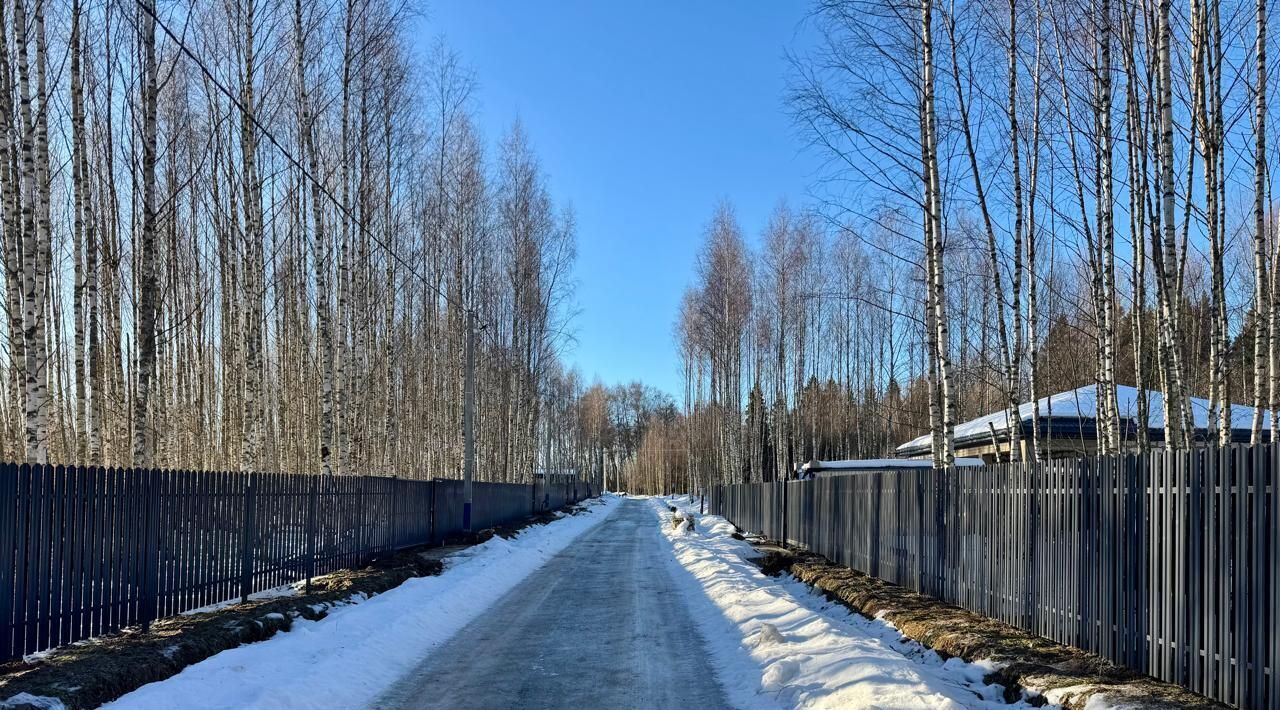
pixel 257 124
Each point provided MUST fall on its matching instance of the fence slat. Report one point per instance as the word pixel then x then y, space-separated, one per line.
pixel 10 540
pixel 89 550
pixel 1164 562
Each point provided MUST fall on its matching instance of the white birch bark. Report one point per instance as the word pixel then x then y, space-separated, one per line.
pixel 1261 301
pixel 146 258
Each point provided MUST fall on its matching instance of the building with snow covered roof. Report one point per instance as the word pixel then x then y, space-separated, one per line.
pixel 1068 426
pixel 847 467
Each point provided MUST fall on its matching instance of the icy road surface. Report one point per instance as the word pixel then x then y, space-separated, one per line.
pixel 601 625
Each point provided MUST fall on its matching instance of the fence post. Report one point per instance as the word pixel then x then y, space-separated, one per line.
pixel 391 521
pixel 246 549
pixel 362 518
pixel 785 510
pixel 941 533
pixel 1029 479
pixel 312 504
pixel 919 521
pixel 151 548
pixel 1273 570
pixel 8 571
pixel 431 513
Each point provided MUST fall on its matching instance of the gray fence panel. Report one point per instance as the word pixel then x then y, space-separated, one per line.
pixel 85 551
pixel 447 509
pixel 500 503
pixel 1166 563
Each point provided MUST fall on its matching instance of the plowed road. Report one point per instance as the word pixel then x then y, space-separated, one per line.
pixel 599 626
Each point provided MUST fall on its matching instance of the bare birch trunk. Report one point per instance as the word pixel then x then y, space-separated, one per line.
pixel 320 251
pixel 1106 234
pixel 252 424
pixel 1135 127
pixel 78 227
pixel 14 253
pixel 34 266
pixel 1261 301
pixel 1032 232
pixel 147 307
pixel 1175 397
pixel 944 456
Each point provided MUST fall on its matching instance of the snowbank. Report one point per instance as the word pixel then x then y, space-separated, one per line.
pixel 348 658
pixel 776 643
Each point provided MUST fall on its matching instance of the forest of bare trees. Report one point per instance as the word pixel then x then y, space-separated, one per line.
pixel 255 235
pixel 1019 198
pixel 248 235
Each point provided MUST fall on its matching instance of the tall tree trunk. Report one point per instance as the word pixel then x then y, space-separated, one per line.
pixel 1135 126
pixel 147 307
pixel 1175 396
pixel 944 454
pixel 35 267
pixel 1032 232
pixel 14 251
pixel 1261 299
pixel 320 251
pixel 253 292
pixel 79 246
pixel 1106 234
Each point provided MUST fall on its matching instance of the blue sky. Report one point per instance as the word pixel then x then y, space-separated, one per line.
pixel 644 114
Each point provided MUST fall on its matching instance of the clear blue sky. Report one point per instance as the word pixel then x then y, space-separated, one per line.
pixel 644 114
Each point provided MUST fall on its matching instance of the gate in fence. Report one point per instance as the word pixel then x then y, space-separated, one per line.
pixel 1167 563
pixel 85 551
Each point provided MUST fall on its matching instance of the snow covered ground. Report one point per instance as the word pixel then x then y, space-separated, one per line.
pixel 348 658
pixel 770 642
pixel 775 643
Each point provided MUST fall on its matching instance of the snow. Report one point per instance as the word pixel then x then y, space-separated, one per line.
pixel 777 643
pixel 284 590
pixel 1083 403
pixel 355 653
pixel 27 700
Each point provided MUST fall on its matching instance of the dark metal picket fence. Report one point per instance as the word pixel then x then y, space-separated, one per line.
pixel 1168 564
pixel 85 551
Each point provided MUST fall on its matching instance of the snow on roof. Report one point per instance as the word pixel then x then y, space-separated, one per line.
pixel 1082 403
pixel 880 464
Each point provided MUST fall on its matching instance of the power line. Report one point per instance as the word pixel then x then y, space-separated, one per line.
pixel 346 213
pixel 469 405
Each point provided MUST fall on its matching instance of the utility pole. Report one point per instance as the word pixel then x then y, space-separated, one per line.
pixel 468 422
